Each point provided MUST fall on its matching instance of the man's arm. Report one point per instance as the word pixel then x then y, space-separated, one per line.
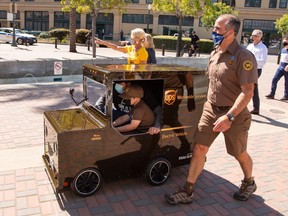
pixel 222 124
pixel 129 127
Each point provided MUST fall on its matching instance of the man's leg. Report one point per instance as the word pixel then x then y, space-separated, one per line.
pixel 275 80
pixel 248 185
pixel 246 164
pixel 197 163
pixel 285 97
pixel 185 194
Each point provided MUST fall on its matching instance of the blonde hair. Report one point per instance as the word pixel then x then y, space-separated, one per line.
pixel 138 33
pixel 149 41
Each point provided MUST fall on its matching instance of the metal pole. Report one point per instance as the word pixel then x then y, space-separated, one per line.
pixel 13 10
pixel 149 8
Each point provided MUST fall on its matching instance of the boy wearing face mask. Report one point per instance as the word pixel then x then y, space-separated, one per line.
pixel 140 116
pixel 232 72
pixel 121 106
pixel 136 53
pixel 282 70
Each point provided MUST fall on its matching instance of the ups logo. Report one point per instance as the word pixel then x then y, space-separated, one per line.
pixel 170 97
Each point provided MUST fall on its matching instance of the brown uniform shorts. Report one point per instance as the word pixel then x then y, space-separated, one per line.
pixel 235 137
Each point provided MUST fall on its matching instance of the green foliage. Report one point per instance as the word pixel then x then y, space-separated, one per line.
pixel 212 11
pixel 59 33
pixel 81 35
pixel 205 45
pixel 92 6
pixel 44 35
pixel 281 25
pixel 179 8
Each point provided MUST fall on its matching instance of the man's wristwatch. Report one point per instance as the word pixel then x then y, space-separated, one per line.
pixel 231 117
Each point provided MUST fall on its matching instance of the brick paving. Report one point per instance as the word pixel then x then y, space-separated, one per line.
pixel 26 190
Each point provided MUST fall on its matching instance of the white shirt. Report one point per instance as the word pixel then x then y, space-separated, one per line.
pixel 260 52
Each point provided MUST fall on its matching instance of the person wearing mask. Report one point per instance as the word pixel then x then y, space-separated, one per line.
pixel 136 53
pixel 194 41
pixel 149 45
pixel 232 72
pixel 282 70
pixel 260 52
pixel 140 116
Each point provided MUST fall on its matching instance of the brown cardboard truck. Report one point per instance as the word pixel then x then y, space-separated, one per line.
pixel 82 149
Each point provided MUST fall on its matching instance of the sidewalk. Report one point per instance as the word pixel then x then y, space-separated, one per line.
pixel 26 190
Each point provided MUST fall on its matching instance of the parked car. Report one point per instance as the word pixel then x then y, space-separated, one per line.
pixel 6 35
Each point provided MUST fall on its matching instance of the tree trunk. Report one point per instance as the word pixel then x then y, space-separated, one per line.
pixel 94 15
pixel 73 30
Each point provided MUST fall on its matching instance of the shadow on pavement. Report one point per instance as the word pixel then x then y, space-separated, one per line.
pixel 213 196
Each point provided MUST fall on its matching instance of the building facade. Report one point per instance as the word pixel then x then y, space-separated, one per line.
pixel 42 15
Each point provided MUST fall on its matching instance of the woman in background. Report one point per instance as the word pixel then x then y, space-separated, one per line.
pixel 149 45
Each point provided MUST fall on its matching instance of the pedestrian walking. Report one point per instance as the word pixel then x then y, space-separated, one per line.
pixel 260 52
pixel 282 70
pixel 232 72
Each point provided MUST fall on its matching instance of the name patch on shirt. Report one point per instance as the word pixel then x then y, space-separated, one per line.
pixel 247 65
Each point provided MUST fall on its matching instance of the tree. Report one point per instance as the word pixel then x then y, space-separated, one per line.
pixel 281 25
pixel 71 7
pixel 93 7
pixel 212 11
pixel 181 8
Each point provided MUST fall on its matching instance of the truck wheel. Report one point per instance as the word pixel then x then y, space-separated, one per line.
pixel 87 182
pixel 157 171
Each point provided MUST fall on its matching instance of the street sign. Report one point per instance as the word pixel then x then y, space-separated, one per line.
pixel 10 16
pixel 58 66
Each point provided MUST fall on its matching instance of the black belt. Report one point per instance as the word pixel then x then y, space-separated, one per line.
pixel 220 108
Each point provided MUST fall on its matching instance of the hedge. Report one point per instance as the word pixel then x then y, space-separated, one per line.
pixel 205 45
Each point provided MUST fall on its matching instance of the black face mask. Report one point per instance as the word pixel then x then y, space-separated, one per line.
pixel 285 44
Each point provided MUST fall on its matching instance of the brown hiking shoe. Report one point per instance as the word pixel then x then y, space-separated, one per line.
pixel 245 191
pixel 181 196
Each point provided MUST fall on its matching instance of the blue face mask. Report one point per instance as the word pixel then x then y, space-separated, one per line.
pixel 120 89
pixel 217 38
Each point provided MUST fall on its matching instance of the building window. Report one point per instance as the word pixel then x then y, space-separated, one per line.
pixel 252 3
pixel 37 20
pixel 104 24
pixel 173 20
pixel 137 18
pixel 132 1
pixel 283 4
pixel 250 25
pixel 3 14
pixel 149 1
pixel 61 20
pixel 272 3
pixel 231 3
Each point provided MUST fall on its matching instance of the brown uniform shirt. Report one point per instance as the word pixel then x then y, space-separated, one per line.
pixel 143 113
pixel 228 71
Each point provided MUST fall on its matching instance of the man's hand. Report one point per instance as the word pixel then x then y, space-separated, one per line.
pixel 222 124
pixel 153 130
pixel 191 104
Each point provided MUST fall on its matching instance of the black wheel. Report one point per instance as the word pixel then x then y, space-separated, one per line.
pixel 87 182
pixel 158 171
pixel 20 41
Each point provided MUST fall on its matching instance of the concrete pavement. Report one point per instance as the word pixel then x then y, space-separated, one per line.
pixel 26 190
pixel 17 63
